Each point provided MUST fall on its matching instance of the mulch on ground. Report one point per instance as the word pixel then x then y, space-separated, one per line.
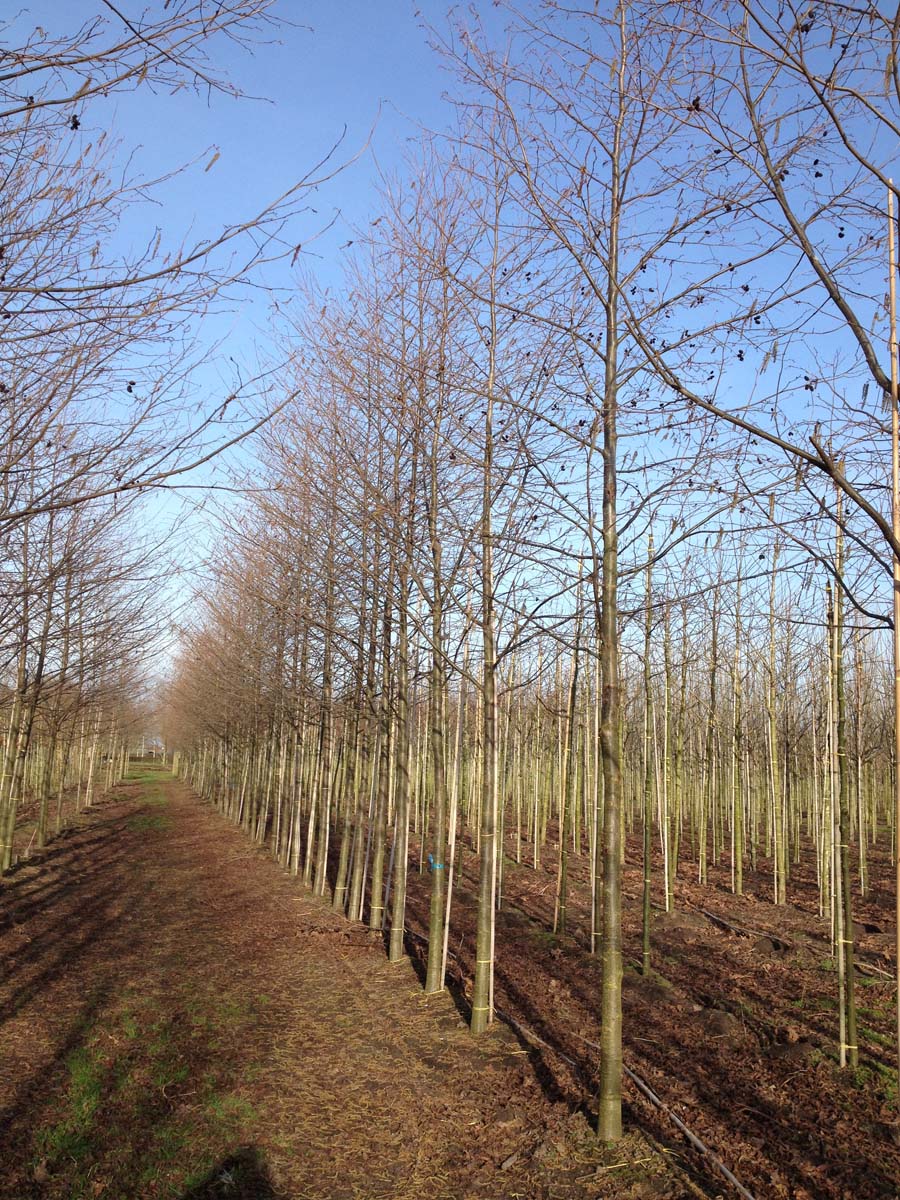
pixel 181 1019
pixel 735 1031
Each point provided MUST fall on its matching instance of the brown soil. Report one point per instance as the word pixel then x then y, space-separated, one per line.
pixel 737 1032
pixel 179 1018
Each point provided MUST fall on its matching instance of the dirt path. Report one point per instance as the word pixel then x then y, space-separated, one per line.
pixel 180 1019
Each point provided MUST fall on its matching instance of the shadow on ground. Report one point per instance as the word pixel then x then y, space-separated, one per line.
pixel 241 1176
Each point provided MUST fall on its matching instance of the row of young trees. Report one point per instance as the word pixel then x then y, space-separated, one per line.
pixel 100 306
pixel 579 514
pixel 77 620
pixel 719 767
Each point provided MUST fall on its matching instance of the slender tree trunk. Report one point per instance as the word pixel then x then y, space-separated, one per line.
pixel 648 764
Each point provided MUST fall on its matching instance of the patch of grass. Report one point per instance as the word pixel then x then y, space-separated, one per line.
pixel 870 982
pixel 146 822
pixel 544 937
pixel 167 1144
pixel 70 1137
pixel 166 1073
pixel 148 775
pixel 873 1013
pixel 231 1109
pixel 869 1075
pixel 825 1003
pixel 199 1175
pixel 112 1101
pixel 222 1014
pixel 861 1076
pixel 85 1078
pixel 880 1039
pixel 887 1080
pixel 231 1010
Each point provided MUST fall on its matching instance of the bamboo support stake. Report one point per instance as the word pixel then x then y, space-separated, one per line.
pixel 649 723
pixel 895 529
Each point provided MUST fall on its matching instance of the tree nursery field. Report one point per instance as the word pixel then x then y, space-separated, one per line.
pixel 449 600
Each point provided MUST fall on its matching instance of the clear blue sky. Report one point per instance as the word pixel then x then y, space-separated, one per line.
pixel 361 64
pixel 357 64
pixel 347 61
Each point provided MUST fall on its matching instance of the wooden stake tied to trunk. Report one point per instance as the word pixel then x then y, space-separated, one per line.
pixel 895 526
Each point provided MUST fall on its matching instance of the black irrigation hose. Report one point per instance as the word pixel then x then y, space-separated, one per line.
pixel 648 1092
pixel 691 1137
pixel 638 1082
pixel 861 958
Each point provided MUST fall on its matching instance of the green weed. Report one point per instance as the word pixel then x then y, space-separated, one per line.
pixel 70 1137
pixel 145 775
pixel 145 822
pixel 231 1109
pixel 544 938
pixel 875 1013
pixel 106 1102
pixel 880 1039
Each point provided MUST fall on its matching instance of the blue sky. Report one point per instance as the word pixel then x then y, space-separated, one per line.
pixel 360 65
pixel 347 62
pixel 353 63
